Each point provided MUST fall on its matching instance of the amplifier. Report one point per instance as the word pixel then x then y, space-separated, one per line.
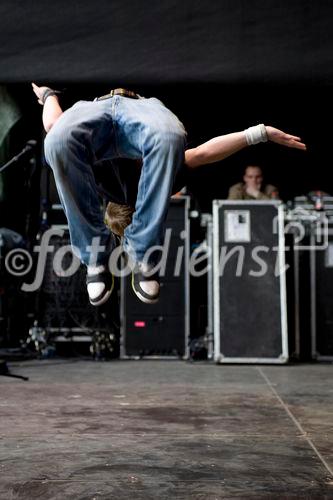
pixel 161 329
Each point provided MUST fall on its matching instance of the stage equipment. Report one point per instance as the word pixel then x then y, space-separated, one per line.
pixel 301 219
pixel 20 198
pixel 321 285
pixel 249 285
pixel 314 201
pixel 310 220
pixel 28 149
pixel 12 317
pixel 66 320
pixel 207 247
pixel 161 329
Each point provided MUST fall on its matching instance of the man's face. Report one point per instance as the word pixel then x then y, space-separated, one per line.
pixel 253 178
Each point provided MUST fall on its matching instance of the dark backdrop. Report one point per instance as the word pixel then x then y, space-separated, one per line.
pixel 167 41
pixel 220 66
pixel 210 109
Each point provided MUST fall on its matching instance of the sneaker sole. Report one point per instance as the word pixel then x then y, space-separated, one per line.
pixel 105 298
pixel 141 297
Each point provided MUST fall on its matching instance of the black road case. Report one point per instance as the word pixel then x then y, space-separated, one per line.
pixel 249 286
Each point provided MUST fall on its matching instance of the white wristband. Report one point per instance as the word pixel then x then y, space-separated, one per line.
pixel 256 134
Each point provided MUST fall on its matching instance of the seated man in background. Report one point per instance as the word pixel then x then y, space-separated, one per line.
pixel 253 187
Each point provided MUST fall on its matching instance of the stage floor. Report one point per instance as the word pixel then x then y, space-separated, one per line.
pixel 165 429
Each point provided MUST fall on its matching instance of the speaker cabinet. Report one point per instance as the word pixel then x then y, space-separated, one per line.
pixel 161 329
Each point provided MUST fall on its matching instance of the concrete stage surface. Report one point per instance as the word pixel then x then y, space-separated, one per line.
pixel 80 429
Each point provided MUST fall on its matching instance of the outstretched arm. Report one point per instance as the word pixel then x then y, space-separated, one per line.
pixel 51 108
pixel 221 147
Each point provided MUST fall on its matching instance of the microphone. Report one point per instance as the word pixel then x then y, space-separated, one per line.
pixel 29 146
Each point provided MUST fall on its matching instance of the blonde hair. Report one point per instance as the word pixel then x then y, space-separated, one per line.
pixel 117 217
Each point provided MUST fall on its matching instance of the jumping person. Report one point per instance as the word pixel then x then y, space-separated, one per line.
pixel 124 125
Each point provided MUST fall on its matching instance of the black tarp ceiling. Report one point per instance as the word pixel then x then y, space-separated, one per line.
pixel 248 61
pixel 167 41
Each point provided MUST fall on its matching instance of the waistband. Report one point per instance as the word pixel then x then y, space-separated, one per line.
pixel 119 91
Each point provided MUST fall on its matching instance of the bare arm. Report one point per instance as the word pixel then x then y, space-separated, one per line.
pixel 51 108
pixel 221 147
pixel 215 149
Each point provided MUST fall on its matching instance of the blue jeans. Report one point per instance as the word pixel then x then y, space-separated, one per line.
pixel 91 131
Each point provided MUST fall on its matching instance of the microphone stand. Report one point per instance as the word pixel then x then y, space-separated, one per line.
pixel 27 149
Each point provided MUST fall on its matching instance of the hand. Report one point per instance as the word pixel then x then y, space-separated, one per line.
pixel 291 141
pixel 39 91
pixel 252 191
